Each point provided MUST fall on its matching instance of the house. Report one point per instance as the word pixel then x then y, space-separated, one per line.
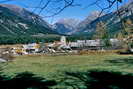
pixel 18 51
pixel 3 60
pixel 73 45
pixel 31 48
pixel 5 54
pixel 131 49
pixel 85 44
pixel 115 43
pixel 59 46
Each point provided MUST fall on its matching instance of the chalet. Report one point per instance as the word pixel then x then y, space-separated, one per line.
pixel 18 51
pixel 58 46
pixel 31 48
pixel 115 43
pixel 85 44
pixel 5 54
pixel 2 60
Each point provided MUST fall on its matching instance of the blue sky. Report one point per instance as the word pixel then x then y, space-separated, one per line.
pixel 77 12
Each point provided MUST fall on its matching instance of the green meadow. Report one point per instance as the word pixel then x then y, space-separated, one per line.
pixel 66 69
pixel 51 66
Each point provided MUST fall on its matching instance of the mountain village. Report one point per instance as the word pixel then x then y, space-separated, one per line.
pixel 62 46
pixel 66 44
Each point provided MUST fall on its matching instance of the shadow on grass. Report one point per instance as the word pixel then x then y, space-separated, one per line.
pixel 25 80
pixel 98 80
pixel 128 52
pixel 121 61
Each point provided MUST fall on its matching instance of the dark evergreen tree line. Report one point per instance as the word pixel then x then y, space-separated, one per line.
pixel 25 39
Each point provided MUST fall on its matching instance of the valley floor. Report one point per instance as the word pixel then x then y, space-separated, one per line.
pixel 56 65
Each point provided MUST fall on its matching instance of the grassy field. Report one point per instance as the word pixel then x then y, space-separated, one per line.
pixel 55 67
pixel 51 66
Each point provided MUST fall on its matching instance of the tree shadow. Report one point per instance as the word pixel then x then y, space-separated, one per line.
pixel 125 53
pixel 99 80
pixel 121 61
pixel 25 80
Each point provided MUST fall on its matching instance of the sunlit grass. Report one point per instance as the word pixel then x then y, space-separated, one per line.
pixel 52 66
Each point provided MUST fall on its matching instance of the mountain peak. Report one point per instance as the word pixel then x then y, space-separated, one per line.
pixel 12 7
pixel 66 25
pixel 15 20
pixel 69 21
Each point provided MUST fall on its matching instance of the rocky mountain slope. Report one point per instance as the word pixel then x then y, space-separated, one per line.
pixel 15 20
pixel 66 26
pixel 112 20
pixel 88 26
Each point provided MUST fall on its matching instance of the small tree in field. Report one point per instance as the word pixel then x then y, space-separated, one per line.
pixel 126 35
pixel 129 33
pixel 102 34
pixel 120 37
pixel 100 31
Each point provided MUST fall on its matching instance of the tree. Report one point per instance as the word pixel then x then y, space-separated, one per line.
pixel 129 33
pixel 102 34
pixel 120 37
pixel 100 31
pixel 125 36
pixel 128 27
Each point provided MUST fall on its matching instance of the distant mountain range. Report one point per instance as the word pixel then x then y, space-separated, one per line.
pixel 66 26
pixel 18 21
pixel 73 26
pixel 15 20
pixel 88 26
